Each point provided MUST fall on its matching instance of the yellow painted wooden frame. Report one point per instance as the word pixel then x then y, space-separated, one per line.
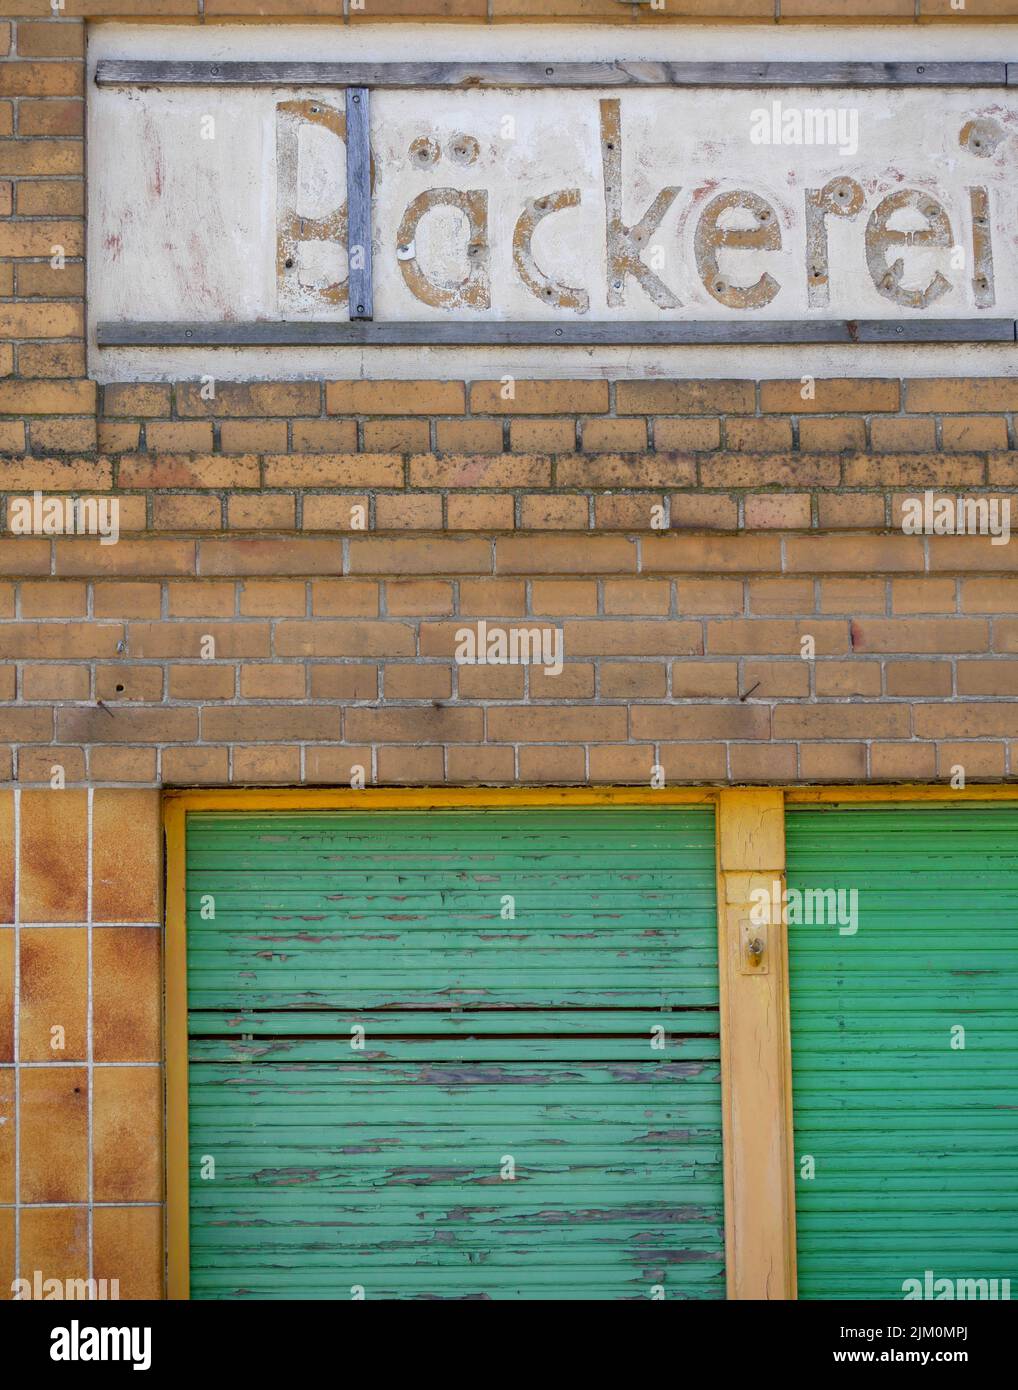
pixel 759 1253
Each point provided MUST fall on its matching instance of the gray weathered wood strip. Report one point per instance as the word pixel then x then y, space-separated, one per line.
pixel 543 334
pixel 620 73
pixel 358 203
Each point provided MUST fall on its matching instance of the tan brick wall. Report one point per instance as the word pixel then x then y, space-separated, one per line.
pixel 683 582
pixel 81 1090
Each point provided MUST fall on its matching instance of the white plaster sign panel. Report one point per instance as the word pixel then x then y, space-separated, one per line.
pixel 185 219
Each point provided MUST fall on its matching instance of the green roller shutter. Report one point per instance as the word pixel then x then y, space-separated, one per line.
pixel 509 1129
pixel 914 1140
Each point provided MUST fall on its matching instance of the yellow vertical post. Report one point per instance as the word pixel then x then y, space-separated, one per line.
pixel 178 1213
pixel 756 1059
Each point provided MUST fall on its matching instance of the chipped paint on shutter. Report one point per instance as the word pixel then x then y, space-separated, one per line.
pixel 914 1139
pixel 507 1129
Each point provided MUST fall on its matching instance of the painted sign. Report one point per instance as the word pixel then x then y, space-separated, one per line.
pixel 558 205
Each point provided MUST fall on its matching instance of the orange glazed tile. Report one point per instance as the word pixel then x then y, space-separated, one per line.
pixel 54 838
pixel 126 856
pixel 54 1241
pixel 126 994
pixel 128 1247
pixel 127 1134
pixel 6 856
pixel 6 994
pixel 54 1134
pixel 7 1134
pixel 54 994
pixel 6 1253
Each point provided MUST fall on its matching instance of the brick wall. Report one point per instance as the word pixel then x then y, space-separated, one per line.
pixel 80 1073
pixel 684 578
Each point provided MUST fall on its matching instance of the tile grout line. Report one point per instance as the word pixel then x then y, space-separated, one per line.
pixel 88 1038
pixel 17 1033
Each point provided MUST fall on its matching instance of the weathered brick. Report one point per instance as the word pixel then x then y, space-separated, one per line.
pixel 233 399
pixel 922 595
pixel 683 397
pixel 329 437
pixel 773 470
pixel 968 433
pixel 542 436
pixel 334 470
pixel 773 511
pixel 272 511
pixel 266 766
pixel 468 436
pixel 837 434
pixel 554 724
pixel 687 436
pixel 443 556
pixel 186 640
pixel 920 635
pixel 539 398
pixel 269 724
pixel 545 512
pixel 484 512
pixel 415 725
pixel 706 511
pixel 637 596
pixel 780 636
pixel 697 722
pixel 394 397
pixel 848 511
pixel 188 767
pixel 338 512
pixel 626 471
pixel 625 436
pixel 858 554
pixel 241 556
pixel 959 719
pixel 711 554
pixel 894 435
pixel 321 637
pixel 758 436
pixel 201 598
pixel 565 555
pixel 391 436
pixel 135 557
pixel 956 395
pixel 502 471
pixel 926 678
pixel 179 436
pixel 857 395
pixel 187 471
pixel 252 436
pixel 841 721
pixel 902 762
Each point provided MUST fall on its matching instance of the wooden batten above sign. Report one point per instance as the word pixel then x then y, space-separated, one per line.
pixel 553 204
pixel 121 72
